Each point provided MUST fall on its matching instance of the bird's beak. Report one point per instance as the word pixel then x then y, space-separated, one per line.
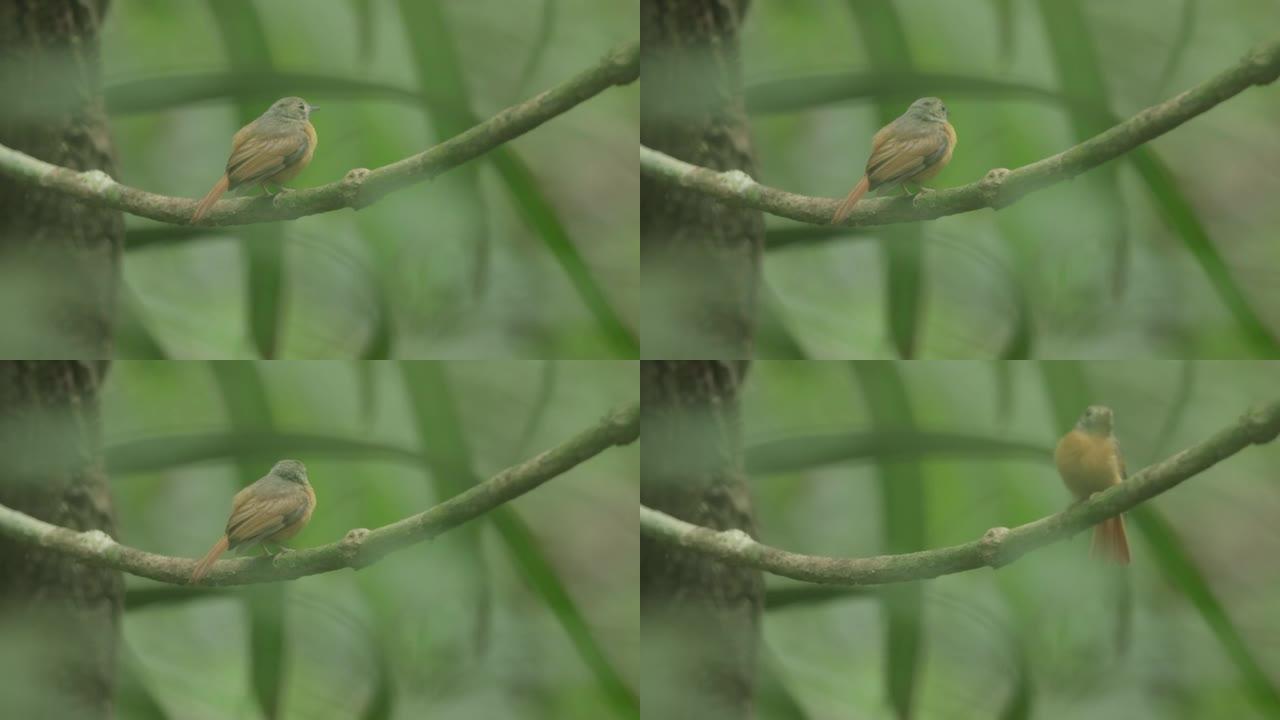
pixel 312 108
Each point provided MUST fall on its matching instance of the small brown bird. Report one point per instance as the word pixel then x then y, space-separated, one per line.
pixel 274 148
pixel 273 509
pixel 913 148
pixel 1089 461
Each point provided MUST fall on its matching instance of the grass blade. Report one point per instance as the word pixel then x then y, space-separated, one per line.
pixel 885 39
pixel 257 447
pixel 244 39
pixel 245 396
pixel 439 426
pixel 903 521
pixel 805 452
pixel 1080 73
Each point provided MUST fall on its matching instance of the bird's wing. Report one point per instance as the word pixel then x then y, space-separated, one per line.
pixel 256 156
pixel 256 515
pixel 1124 472
pixel 896 157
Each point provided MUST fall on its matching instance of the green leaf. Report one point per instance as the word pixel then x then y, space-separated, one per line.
pixel 774 340
pixel 441 78
pixel 133 699
pixel 1177 566
pixel 801 236
pixel 792 596
pixel 1177 410
pixel 903 515
pixel 801 93
pixel 244 87
pixel 526 551
pixel 448 454
pixel 134 340
pixel 885 39
pixel 805 452
pixel 1020 702
pixel 444 443
pixel 1080 73
pixel 1004 10
pixel 260 448
pixel 541 41
pixel 774 700
pixel 537 211
pixel 139 598
pixel 1181 41
pixel 244 40
pixel 1176 209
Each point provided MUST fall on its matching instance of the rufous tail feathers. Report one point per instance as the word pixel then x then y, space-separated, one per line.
pixel 855 195
pixel 202 567
pixel 207 203
pixel 1109 541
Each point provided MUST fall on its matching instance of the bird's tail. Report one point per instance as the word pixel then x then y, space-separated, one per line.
pixel 207 203
pixel 202 567
pixel 855 195
pixel 1109 541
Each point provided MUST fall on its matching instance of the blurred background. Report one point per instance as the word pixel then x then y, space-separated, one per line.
pixel 531 611
pixel 1168 252
pixel 1189 631
pixel 530 251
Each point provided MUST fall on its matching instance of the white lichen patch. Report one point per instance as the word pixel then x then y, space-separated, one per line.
pixel 96 180
pixel 738 181
pixel 737 539
pixel 97 540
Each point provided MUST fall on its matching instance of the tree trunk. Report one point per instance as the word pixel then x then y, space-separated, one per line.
pixel 59 271
pixel 59 258
pixel 701 264
pixel 700 258
pixel 59 618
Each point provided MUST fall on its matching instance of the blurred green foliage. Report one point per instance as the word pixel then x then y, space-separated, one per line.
pixel 537 259
pixel 1177 259
pixel 539 619
pixel 1184 633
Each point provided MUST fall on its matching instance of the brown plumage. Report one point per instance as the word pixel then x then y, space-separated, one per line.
pixel 1089 461
pixel 274 148
pixel 913 148
pixel 273 509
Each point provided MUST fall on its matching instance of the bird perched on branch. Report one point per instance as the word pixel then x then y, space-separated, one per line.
pixel 273 148
pixel 1089 461
pixel 913 148
pixel 273 509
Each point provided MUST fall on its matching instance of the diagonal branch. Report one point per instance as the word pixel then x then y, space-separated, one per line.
pixel 360 547
pixel 360 187
pixel 998 547
pixel 1001 186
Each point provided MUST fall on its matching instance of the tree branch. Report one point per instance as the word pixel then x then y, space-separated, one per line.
pixel 360 547
pixel 999 546
pixel 361 187
pixel 1000 187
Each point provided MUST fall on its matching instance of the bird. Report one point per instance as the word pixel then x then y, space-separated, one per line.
pixel 913 148
pixel 273 148
pixel 1089 461
pixel 273 509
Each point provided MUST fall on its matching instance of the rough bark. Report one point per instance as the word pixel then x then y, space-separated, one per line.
pixel 59 270
pixel 700 257
pixel 700 616
pixel 701 264
pixel 59 258
pixel 59 618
